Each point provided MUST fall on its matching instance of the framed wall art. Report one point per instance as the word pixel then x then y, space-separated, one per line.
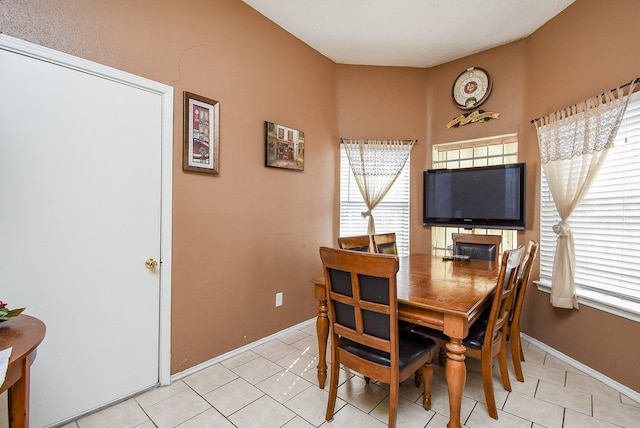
pixel 201 145
pixel 284 147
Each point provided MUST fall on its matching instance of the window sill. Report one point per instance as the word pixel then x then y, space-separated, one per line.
pixel 610 304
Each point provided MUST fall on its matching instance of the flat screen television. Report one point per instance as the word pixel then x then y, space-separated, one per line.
pixel 491 197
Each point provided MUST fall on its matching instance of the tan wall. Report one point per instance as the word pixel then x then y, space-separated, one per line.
pixel 242 236
pixel 388 103
pixel 252 231
pixel 507 68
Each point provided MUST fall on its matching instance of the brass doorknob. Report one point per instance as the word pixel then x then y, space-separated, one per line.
pixel 151 263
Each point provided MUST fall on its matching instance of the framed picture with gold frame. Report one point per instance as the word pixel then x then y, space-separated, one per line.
pixel 284 147
pixel 201 134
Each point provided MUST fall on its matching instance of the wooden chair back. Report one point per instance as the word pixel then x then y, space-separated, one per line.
pixel 362 301
pixel 482 247
pixel 361 292
pixel 524 276
pixel 384 243
pixel 487 335
pixel 360 243
pixel 495 335
pixel 498 317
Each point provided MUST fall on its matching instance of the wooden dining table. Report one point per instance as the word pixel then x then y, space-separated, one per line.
pixel 447 295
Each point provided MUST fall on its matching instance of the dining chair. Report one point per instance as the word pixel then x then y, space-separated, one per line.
pixel 487 336
pixel 514 319
pixel 363 313
pixel 384 243
pixel 355 243
pixel 481 247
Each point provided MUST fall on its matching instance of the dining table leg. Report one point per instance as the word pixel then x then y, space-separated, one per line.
pixel 322 329
pixel 456 374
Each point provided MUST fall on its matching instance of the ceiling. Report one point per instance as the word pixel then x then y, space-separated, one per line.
pixel 410 33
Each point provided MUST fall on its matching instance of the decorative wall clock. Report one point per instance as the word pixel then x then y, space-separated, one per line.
pixel 471 88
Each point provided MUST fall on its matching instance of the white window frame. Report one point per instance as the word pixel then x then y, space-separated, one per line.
pixel 496 150
pixel 392 214
pixel 620 159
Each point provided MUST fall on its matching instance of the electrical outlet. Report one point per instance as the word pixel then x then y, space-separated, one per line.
pixel 278 299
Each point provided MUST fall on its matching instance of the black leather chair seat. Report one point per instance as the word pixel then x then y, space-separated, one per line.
pixel 474 339
pixel 411 347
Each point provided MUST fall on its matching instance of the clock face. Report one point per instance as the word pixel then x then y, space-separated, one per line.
pixel 471 88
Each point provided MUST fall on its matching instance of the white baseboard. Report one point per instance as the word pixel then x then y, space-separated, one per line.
pixel 238 351
pixel 634 395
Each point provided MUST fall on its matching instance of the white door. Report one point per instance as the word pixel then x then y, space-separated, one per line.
pixel 80 213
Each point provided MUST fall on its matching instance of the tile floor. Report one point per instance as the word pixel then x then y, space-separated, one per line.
pixel 275 385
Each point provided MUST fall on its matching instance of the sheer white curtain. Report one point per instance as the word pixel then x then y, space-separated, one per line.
pixel 375 165
pixel 573 144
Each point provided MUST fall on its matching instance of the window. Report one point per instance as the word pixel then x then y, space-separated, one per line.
pixel 606 226
pixel 391 214
pixel 497 150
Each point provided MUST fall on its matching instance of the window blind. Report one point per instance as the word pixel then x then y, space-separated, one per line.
pixel 606 224
pixel 391 215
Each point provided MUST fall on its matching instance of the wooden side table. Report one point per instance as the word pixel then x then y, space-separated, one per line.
pixel 22 333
